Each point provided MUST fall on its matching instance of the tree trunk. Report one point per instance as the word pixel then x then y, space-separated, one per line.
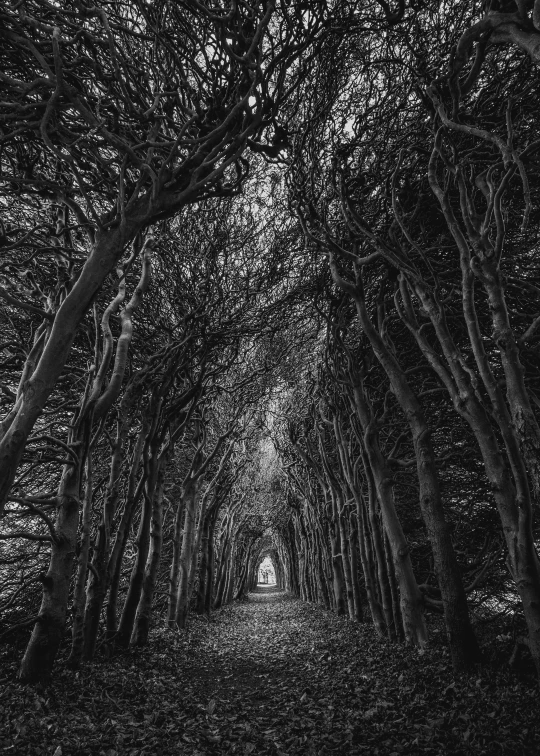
pixel 194 566
pixel 38 660
pixel 514 506
pixel 323 581
pixel 204 576
pixel 175 563
pixel 463 645
pixel 204 593
pixel 244 574
pixel 224 568
pixel 114 567
pixel 79 594
pixel 390 576
pixel 345 560
pixel 127 620
pixel 98 581
pixel 368 566
pixel 230 577
pixel 337 569
pixel 353 552
pixel 107 249
pixel 191 501
pixel 301 551
pixel 412 608
pixel 144 610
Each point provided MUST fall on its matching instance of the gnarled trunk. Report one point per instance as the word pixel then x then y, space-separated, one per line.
pixel 49 629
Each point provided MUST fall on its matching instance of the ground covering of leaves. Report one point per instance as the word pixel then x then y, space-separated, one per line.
pixel 271 676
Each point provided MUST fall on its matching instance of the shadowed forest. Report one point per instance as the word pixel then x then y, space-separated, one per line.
pixel 270 377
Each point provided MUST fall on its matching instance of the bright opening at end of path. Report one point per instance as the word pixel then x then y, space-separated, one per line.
pixel 266 575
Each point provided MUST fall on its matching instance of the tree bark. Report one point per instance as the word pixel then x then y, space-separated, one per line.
pixel 191 501
pixel 79 594
pixel 127 620
pixel 48 632
pixel 337 568
pixel 463 645
pixel 144 610
pixel 106 252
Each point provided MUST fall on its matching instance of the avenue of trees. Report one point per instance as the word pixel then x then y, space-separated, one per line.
pixel 269 286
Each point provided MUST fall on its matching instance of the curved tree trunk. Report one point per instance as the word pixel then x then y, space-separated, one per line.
pixel 463 645
pixel 48 632
pixel 108 248
pixel 412 605
pixel 511 497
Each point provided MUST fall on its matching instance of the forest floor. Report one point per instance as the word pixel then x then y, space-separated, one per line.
pixel 276 676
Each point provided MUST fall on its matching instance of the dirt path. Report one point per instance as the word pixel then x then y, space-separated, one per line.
pixel 265 667
pixel 276 677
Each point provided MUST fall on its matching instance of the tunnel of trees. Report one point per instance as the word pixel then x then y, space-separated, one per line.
pixel 269 287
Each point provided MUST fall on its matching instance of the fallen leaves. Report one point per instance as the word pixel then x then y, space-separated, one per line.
pixel 276 678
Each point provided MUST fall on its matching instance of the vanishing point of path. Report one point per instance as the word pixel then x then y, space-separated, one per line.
pixel 272 675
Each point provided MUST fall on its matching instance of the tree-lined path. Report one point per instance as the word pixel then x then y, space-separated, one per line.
pixel 269 295
pixel 272 675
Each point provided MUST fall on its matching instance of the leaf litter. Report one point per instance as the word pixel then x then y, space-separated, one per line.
pixel 274 676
